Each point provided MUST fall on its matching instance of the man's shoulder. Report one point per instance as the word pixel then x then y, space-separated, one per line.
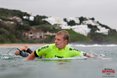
pixel 52 44
pixel 48 46
pixel 71 48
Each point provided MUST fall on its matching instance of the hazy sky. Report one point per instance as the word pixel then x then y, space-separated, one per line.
pixel 104 11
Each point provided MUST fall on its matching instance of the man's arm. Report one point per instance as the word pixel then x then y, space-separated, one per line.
pixel 31 57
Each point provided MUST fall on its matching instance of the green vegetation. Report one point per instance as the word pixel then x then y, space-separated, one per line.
pixel 76 37
pixel 14 27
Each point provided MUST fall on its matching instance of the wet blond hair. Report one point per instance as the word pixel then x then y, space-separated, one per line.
pixel 64 33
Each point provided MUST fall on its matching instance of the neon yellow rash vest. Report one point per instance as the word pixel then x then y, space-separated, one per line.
pixel 51 51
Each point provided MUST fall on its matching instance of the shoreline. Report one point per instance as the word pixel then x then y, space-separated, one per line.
pixel 17 45
pixel 20 45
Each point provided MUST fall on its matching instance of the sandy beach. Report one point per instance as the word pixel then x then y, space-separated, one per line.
pixel 19 45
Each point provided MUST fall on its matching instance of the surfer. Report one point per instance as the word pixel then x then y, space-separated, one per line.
pixel 59 49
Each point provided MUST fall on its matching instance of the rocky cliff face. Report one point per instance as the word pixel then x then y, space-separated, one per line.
pixel 82 25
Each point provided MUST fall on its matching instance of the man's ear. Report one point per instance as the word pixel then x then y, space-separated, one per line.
pixel 66 41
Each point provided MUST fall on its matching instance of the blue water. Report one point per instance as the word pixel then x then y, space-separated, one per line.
pixel 12 66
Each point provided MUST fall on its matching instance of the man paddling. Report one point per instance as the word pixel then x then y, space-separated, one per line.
pixel 59 49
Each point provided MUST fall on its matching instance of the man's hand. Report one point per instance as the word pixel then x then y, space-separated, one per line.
pixel 89 55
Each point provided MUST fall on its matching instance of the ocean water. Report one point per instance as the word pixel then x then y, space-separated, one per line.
pixel 104 66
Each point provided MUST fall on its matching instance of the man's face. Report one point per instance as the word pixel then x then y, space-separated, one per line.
pixel 60 42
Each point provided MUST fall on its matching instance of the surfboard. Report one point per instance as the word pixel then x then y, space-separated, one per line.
pixel 72 58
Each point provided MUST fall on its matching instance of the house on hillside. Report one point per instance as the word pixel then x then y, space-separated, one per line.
pixel 35 34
